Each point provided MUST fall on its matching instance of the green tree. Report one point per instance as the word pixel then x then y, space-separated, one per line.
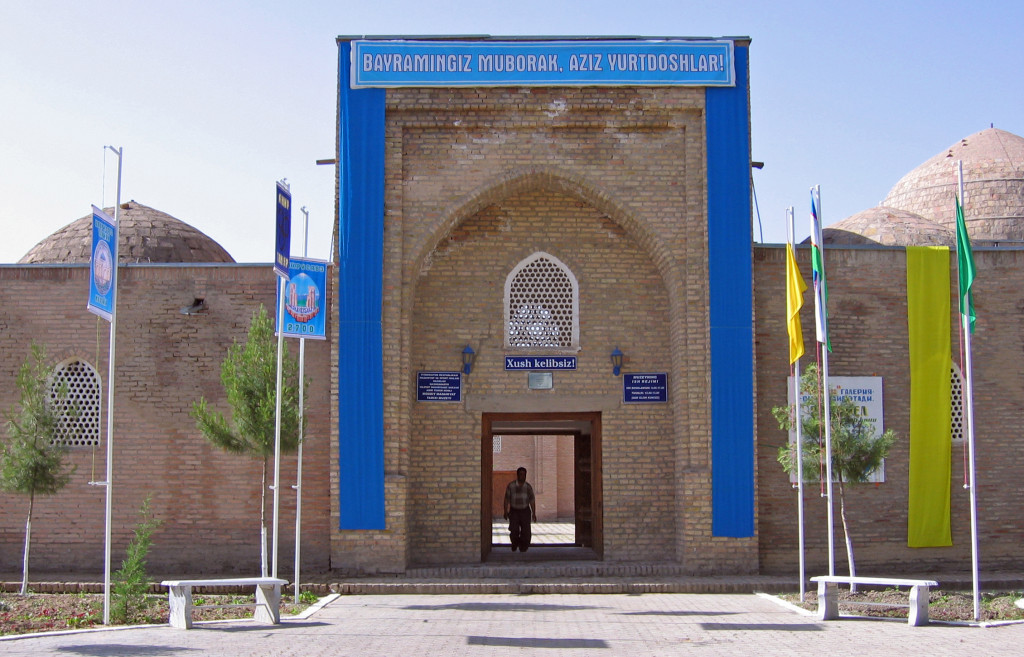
pixel 131 582
pixel 857 448
pixel 32 462
pixel 249 377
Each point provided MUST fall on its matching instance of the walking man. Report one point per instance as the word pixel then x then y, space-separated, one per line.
pixel 520 509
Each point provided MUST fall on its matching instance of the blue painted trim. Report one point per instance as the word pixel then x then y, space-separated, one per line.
pixel 730 288
pixel 359 296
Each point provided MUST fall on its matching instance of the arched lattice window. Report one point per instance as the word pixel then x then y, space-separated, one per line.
pixel 541 304
pixel 75 396
pixel 957 419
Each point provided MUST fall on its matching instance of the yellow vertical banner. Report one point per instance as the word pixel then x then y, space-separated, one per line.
pixel 928 323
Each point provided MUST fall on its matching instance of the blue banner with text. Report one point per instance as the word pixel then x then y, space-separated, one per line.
pixel 549 63
pixel 283 240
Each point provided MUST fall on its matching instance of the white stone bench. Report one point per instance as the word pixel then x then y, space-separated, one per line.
pixel 268 598
pixel 828 594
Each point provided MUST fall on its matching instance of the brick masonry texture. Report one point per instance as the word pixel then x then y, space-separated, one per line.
pixel 207 500
pixel 868 327
pixel 612 183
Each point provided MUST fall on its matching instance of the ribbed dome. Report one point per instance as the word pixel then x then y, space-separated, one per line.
pixel 146 235
pixel 993 163
pixel 888 226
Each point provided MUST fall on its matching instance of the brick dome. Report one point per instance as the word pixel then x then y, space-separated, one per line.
pixel 146 235
pixel 993 164
pixel 888 226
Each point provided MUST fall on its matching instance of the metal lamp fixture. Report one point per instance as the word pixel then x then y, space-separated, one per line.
pixel 617 362
pixel 468 357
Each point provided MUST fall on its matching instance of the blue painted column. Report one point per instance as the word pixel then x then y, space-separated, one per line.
pixel 359 297
pixel 730 288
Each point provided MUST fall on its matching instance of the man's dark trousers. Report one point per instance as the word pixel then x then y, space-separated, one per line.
pixel 519 528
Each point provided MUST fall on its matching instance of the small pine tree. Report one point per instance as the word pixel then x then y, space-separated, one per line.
pixel 857 450
pixel 249 377
pixel 32 460
pixel 131 582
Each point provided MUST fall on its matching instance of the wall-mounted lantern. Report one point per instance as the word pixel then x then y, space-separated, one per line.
pixel 617 362
pixel 468 357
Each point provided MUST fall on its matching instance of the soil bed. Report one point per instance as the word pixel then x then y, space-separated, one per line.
pixel 942 605
pixel 48 612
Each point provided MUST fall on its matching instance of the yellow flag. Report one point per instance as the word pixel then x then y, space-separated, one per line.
pixel 795 288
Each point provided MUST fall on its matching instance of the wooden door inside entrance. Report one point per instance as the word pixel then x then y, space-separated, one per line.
pixel 578 498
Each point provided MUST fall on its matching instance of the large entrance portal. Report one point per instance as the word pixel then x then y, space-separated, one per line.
pixel 562 452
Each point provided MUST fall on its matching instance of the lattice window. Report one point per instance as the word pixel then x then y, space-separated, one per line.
pixel 957 419
pixel 75 396
pixel 496 444
pixel 541 304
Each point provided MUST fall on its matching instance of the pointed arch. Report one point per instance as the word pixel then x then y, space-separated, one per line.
pixel 553 179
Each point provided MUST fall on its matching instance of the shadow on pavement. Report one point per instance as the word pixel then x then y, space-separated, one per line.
pixel 122 650
pixel 531 642
pixel 680 613
pixel 770 627
pixel 500 606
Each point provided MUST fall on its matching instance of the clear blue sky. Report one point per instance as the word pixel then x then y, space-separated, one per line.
pixel 215 101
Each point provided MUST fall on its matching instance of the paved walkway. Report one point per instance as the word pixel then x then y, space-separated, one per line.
pixel 543 533
pixel 574 624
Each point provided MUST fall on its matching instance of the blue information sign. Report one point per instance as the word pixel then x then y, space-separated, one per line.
pixel 439 386
pixel 283 243
pixel 103 265
pixel 548 63
pixel 649 388
pixel 540 362
pixel 304 309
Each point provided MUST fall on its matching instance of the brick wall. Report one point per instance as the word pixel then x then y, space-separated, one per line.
pixel 868 327
pixel 611 182
pixel 207 500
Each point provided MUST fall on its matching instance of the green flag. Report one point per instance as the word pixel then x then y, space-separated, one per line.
pixel 965 264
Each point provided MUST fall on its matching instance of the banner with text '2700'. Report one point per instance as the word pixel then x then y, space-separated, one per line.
pixel 304 307
pixel 548 63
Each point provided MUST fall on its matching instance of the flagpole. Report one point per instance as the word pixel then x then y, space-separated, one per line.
pixel 298 473
pixel 822 337
pixel 108 512
pixel 965 320
pixel 791 230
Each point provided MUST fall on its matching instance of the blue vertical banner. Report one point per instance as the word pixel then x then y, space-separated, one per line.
pixel 304 308
pixel 359 298
pixel 283 243
pixel 102 265
pixel 730 305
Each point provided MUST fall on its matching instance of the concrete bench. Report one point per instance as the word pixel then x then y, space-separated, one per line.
pixel 828 594
pixel 268 598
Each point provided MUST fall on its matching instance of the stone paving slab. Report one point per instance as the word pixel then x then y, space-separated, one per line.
pixel 566 625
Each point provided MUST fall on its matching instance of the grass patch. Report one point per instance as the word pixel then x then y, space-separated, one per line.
pixel 49 612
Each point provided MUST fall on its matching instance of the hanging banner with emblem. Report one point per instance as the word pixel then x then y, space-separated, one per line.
pixel 102 265
pixel 304 309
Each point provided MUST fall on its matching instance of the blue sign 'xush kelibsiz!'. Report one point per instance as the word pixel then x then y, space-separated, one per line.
pixel 548 63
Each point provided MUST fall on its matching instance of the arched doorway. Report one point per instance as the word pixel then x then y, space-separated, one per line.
pixel 578 435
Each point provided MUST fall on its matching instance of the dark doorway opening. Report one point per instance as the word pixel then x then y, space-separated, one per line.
pixel 562 452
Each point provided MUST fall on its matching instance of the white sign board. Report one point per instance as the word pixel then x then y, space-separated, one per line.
pixel 866 391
